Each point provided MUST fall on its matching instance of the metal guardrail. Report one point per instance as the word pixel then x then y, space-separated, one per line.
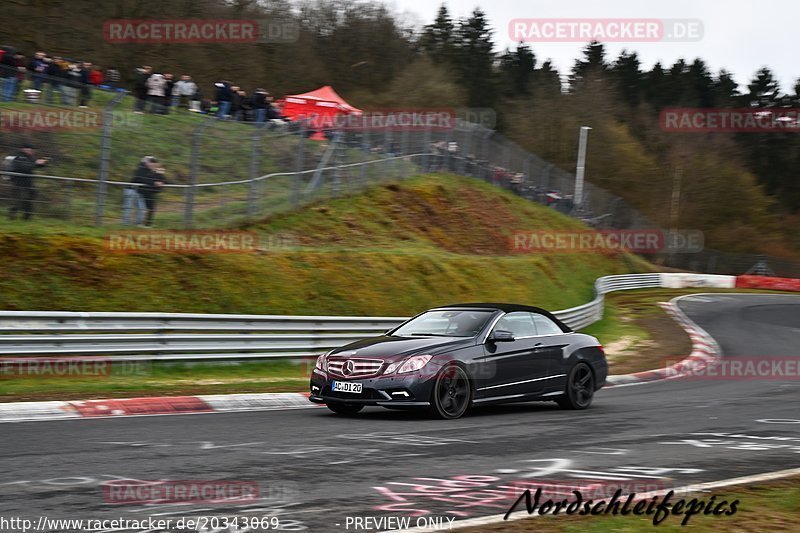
pixel 176 337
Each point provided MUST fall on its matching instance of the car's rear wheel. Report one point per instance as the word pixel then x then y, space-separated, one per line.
pixel 579 390
pixel 344 408
pixel 451 393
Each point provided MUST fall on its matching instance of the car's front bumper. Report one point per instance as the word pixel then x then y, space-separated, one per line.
pixel 386 391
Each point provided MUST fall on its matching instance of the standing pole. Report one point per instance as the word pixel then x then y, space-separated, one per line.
pixel 105 158
pixel 579 171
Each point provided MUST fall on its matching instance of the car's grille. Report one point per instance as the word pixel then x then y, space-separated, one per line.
pixel 354 367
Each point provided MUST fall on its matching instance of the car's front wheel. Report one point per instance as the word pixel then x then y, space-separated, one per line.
pixel 579 391
pixel 451 394
pixel 344 408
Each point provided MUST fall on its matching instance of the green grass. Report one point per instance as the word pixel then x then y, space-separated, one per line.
pixel 392 250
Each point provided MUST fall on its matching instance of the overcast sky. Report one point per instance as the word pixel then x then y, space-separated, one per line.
pixel 738 35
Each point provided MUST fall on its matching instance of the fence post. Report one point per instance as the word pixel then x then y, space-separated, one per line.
pixel 299 162
pixel 105 158
pixel 426 146
pixel 188 211
pixel 387 150
pixel 404 151
pixel 255 159
pixel 465 151
pixel 365 146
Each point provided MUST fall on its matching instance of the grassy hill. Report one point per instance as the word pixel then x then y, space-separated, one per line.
pixel 391 250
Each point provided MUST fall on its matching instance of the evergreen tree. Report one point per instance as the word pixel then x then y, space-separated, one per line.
pixel 629 78
pixel 439 39
pixel 475 59
pixel 517 70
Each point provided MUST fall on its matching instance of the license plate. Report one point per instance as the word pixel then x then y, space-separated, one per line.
pixel 347 386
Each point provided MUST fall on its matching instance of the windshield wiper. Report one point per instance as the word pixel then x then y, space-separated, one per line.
pixel 429 334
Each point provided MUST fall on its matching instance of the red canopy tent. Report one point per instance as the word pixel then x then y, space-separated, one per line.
pixel 320 107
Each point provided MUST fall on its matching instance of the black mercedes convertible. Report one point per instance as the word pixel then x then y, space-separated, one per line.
pixel 451 358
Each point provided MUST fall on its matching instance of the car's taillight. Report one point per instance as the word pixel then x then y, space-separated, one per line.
pixel 602 350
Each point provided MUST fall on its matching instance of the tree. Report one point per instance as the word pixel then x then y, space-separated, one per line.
pixel 725 90
pixel 517 70
pixel 475 59
pixel 593 64
pixel 439 39
pixel 763 89
pixel 628 77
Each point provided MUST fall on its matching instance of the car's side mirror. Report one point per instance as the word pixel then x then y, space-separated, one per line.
pixel 501 335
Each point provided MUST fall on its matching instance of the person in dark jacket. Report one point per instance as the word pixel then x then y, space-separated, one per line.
pixel 140 87
pixel 223 97
pixel 86 86
pixel 23 190
pixel 55 77
pixel 38 69
pixel 150 179
pixel 12 65
pixel 258 102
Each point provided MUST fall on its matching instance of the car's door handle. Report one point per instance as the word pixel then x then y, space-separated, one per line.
pixel 538 347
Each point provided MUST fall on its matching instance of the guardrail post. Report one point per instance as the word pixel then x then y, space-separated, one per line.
pixel 188 211
pixel 105 158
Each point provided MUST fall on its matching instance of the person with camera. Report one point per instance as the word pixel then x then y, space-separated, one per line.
pixel 150 180
pixel 23 190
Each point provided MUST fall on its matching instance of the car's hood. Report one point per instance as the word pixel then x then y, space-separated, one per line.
pixel 387 347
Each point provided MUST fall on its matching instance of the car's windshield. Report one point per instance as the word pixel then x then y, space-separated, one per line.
pixel 445 323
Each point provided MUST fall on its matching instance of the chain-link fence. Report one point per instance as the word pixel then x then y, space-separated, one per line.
pixel 221 173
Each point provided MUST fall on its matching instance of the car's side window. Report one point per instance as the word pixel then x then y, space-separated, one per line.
pixel 545 326
pixel 519 323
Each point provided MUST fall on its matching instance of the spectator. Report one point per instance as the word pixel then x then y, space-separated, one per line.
pixel 21 70
pixel 38 69
pixel 245 106
pixel 23 190
pixel 141 77
pixel 150 178
pixel 184 92
pixel 156 90
pixel 55 77
pixel 112 78
pixel 9 64
pixel 259 104
pixel 84 71
pixel 132 198
pixel 236 102
pixel 96 76
pixel 72 84
pixel 223 98
pixel 168 89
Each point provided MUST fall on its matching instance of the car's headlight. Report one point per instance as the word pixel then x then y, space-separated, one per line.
pixel 412 364
pixel 322 362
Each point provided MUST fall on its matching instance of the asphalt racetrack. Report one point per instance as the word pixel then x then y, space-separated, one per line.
pixel 318 471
